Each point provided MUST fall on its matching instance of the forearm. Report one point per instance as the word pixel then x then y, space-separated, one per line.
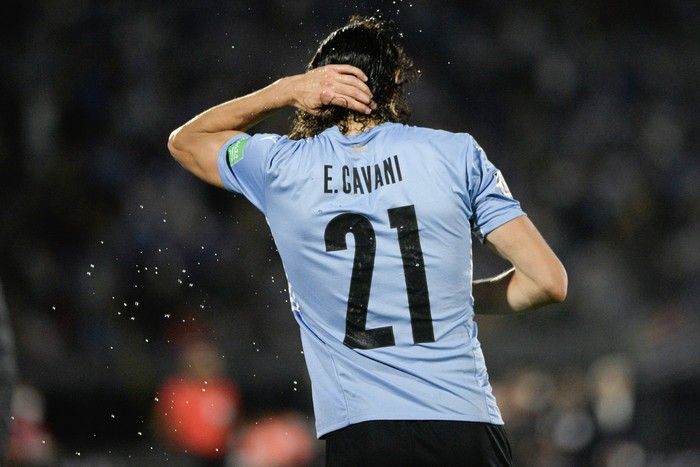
pixel 244 112
pixel 510 292
pixel 342 85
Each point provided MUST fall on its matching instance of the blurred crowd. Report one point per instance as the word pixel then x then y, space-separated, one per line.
pixel 114 260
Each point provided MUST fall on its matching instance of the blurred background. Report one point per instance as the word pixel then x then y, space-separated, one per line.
pixel 121 271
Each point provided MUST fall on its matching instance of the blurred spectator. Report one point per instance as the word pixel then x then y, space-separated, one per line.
pixel 31 442
pixel 8 374
pixel 612 389
pixel 197 409
pixel 281 439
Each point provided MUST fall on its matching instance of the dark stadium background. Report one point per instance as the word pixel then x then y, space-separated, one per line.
pixel 110 252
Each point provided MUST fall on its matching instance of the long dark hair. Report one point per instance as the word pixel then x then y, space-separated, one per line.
pixel 369 44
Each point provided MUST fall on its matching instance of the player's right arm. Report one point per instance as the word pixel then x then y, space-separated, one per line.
pixel 196 144
pixel 537 278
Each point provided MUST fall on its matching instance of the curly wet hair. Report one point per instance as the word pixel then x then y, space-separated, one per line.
pixel 369 44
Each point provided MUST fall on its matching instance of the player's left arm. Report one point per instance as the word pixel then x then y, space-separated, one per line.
pixel 537 278
pixel 196 144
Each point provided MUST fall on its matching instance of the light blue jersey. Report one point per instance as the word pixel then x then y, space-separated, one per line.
pixel 374 235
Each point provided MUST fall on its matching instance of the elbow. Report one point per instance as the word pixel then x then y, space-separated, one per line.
pixel 557 287
pixel 527 294
pixel 549 289
pixel 175 145
pixel 180 145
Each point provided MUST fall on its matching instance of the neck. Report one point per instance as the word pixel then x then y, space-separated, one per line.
pixel 355 127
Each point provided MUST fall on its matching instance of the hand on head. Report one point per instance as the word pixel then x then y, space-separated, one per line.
pixel 340 85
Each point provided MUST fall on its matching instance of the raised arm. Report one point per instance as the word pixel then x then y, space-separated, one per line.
pixel 196 144
pixel 537 278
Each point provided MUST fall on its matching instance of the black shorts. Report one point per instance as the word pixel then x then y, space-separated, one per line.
pixel 418 443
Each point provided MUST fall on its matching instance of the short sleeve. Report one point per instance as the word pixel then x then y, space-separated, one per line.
pixel 492 203
pixel 243 165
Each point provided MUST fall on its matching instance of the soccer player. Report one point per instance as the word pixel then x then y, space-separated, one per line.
pixel 373 219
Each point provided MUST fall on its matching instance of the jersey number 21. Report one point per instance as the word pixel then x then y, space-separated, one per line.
pixel 404 220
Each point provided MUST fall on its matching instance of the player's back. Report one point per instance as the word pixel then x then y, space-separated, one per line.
pixel 374 233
